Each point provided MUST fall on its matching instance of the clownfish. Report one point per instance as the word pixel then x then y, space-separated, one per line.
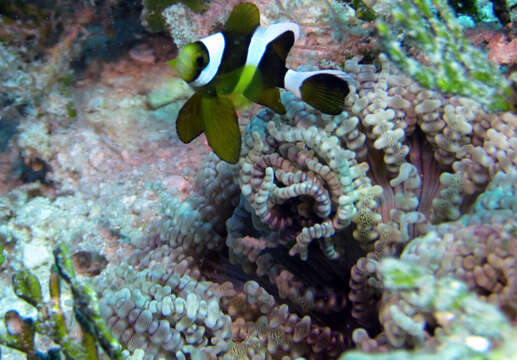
pixel 246 62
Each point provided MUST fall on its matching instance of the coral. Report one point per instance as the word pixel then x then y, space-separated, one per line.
pixel 169 289
pixel 89 263
pixel 455 310
pixel 468 327
pixel 486 262
pixel 263 329
pixel 286 176
pixel 33 221
pixel 433 265
pixel 215 195
pixel 182 259
pixel 152 11
pixel 390 106
pixel 447 60
pixel 169 310
pixel 164 314
pixel 328 181
pixel 389 228
pixel 502 48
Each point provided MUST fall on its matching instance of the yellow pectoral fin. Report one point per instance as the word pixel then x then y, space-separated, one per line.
pixel 189 123
pixel 221 128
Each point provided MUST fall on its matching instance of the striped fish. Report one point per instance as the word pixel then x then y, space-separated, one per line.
pixel 246 63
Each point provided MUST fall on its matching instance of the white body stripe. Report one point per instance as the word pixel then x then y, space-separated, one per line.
pixel 263 36
pixel 293 80
pixel 215 45
pixel 257 47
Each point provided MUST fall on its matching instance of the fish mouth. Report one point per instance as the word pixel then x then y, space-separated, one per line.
pixel 172 63
pixel 184 69
pixel 181 67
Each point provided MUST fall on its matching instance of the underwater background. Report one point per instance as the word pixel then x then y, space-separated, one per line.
pixel 388 231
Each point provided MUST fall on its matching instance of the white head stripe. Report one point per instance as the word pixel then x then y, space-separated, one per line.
pixel 293 80
pixel 215 45
pixel 262 37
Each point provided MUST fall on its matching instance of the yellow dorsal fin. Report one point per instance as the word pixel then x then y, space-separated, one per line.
pixel 244 19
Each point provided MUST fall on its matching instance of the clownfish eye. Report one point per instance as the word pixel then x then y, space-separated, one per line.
pixel 199 60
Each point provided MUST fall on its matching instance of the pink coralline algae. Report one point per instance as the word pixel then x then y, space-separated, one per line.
pixel 502 49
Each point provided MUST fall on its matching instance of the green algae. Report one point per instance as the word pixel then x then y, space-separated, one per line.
pixel 452 65
pixel 51 320
pixel 362 11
